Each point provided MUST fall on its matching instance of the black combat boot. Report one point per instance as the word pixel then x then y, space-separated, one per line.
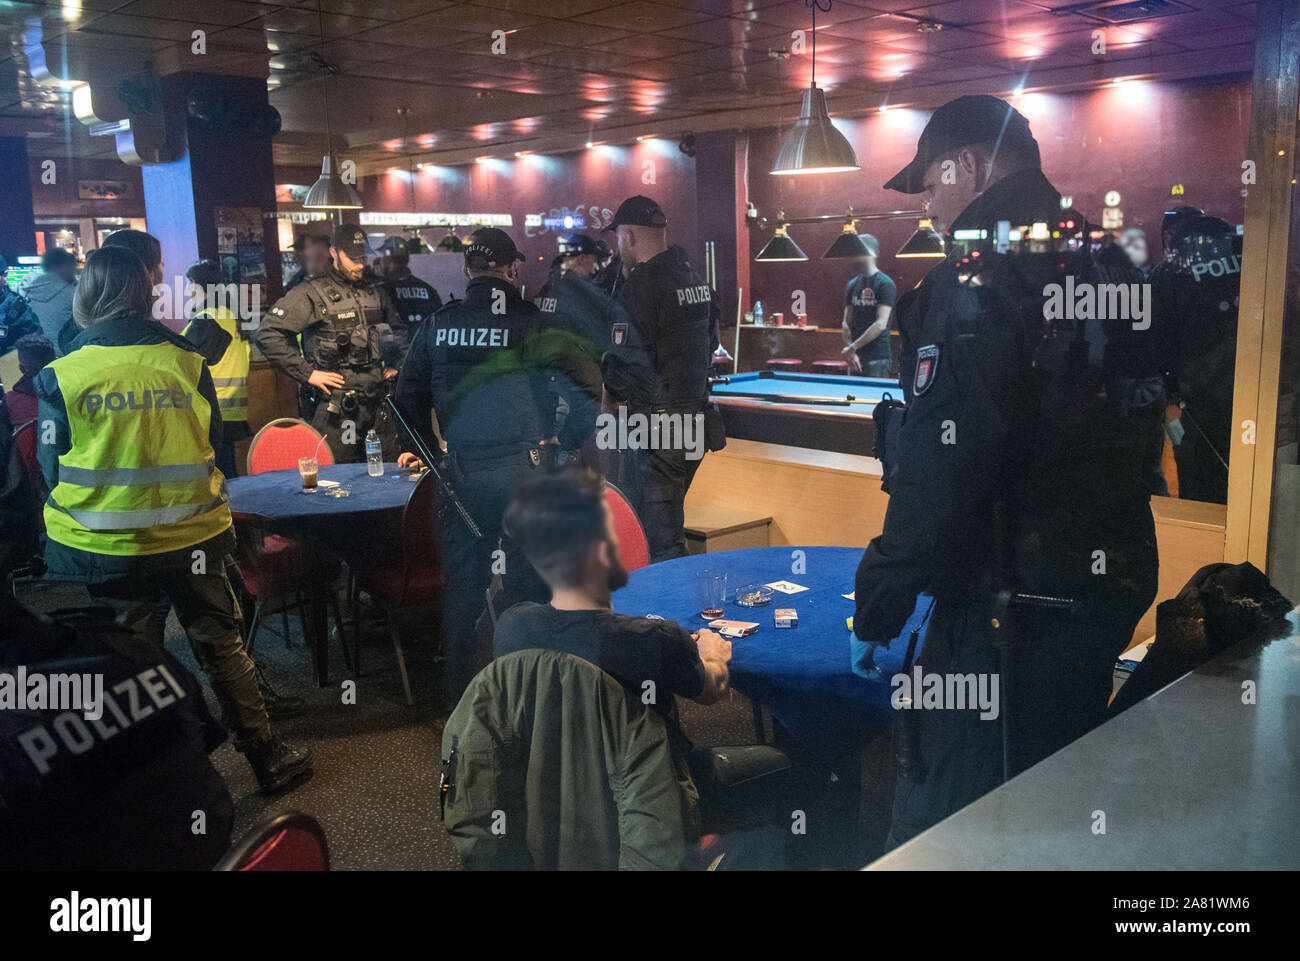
pixel 277 765
pixel 279 707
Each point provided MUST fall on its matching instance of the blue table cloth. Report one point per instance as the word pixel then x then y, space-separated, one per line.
pixel 363 528
pixel 803 675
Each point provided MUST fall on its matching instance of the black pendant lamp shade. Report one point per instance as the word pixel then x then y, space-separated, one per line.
pixel 780 249
pixel 848 245
pixel 925 242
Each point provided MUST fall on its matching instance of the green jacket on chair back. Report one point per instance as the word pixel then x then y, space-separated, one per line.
pixel 557 767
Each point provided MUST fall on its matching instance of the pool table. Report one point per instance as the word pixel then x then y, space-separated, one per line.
pixel 803 410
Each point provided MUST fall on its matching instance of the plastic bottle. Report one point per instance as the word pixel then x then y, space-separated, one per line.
pixel 758 313
pixel 374 455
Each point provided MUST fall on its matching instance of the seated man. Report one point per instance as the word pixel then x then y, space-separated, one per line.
pixel 565 529
pixel 567 533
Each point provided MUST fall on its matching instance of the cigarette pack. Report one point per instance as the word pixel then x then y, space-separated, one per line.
pixel 786 617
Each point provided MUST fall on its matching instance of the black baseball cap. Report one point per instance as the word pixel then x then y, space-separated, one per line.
pixel 299 242
pixel 489 247
pixel 351 240
pixel 579 244
pixel 639 211
pixel 972 119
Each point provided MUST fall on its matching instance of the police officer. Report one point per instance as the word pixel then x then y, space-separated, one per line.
pixel 415 300
pixel 659 364
pixel 342 317
pixel 577 317
pixel 869 300
pixel 227 356
pixel 311 252
pixel 495 405
pixel 1021 470
pixel 136 503
pixel 17 319
pixel 1195 293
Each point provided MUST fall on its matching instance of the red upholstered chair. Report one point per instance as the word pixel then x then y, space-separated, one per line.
pixel 273 566
pixel 830 366
pixel 633 547
pixel 785 363
pixel 283 442
pixel 25 443
pixel 292 841
pixel 413 580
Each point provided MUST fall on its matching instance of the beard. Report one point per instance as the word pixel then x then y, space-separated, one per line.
pixel 617 575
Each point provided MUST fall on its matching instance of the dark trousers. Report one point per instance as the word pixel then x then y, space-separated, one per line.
pixel 658 482
pixel 209 611
pixel 369 414
pixel 1062 676
pixel 468 565
pixel 875 367
pixel 1201 475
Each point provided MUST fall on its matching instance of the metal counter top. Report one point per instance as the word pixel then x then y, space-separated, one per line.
pixel 1191 778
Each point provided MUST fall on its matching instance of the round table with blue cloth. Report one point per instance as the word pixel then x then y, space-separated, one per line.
pixel 811 678
pixel 363 528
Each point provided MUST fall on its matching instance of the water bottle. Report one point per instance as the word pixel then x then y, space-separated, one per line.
pixel 758 313
pixel 374 455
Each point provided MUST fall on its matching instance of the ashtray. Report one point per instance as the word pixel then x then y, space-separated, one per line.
pixel 337 491
pixel 753 595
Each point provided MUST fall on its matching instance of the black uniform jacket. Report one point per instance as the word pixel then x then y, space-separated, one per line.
pixel 340 323
pixel 1023 454
pixel 121 791
pixel 487 369
pixel 662 358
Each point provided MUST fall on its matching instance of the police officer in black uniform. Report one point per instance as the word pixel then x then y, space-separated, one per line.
pixel 1021 473
pixel 341 317
pixel 495 404
pixel 659 364
pixel 415 300
pixel 1196 292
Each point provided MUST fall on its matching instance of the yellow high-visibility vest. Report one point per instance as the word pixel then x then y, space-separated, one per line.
pixel 230 374
pixel 140 477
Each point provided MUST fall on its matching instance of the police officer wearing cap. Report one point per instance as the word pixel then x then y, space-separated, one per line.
pixel 341 317
pixel 1020 474
pixel 415 300
pixel 659 364
pixel 495 405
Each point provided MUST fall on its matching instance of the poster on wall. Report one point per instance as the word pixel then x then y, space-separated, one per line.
pixel 239 244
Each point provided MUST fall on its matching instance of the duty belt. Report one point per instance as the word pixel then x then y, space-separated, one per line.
pixel 487 458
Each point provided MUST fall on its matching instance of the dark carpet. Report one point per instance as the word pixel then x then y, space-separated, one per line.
pixel 376 760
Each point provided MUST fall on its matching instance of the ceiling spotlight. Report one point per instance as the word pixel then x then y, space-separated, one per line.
pixel 924 242
pixel 780 249
pixel 644 137
pixel 522 153
pixel 687 144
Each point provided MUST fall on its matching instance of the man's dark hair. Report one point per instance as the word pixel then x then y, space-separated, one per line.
pixel 317 239
pixel 55 258
pixel 34 352
pixel 556 518
pixel 143 245
pixel 205 273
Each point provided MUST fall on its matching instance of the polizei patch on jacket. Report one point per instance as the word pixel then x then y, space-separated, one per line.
pixel 927 366
pixel 619 334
